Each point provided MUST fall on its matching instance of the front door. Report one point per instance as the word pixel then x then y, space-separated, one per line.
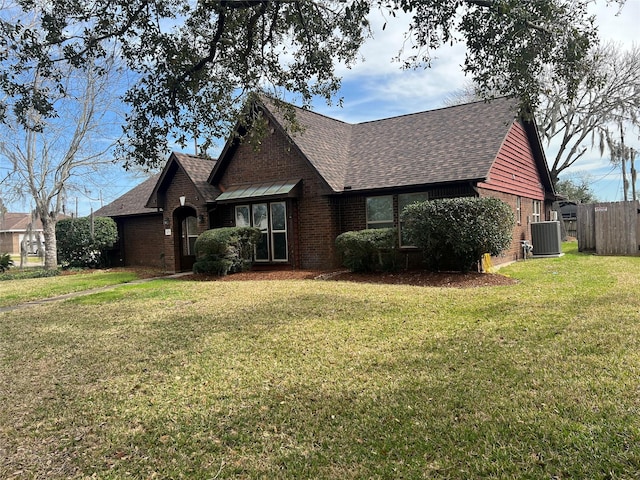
pixel 187 235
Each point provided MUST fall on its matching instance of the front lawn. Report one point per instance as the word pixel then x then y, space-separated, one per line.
pixel 15 292
pixel 313 379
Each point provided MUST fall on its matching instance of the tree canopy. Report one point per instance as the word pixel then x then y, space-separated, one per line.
pixel 195 62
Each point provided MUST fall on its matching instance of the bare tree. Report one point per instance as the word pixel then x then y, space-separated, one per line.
pixel 49 157
pixel 609 96
pixel 607 101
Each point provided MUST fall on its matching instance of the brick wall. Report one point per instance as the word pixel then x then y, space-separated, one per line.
pixel 522 230
pixel 139 239
pixel 174 213
pixel 10 243
pixel 312 221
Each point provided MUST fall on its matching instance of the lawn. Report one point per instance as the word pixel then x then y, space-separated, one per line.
pixel 313 379
pixel 15 292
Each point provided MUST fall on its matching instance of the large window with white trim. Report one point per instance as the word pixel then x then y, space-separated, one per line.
pixel 271 219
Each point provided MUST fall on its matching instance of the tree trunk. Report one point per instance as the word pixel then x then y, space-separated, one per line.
pixel 50 247
pixel 625 182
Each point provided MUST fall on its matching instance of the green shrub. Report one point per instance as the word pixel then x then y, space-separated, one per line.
pixel 225 250
pixel 368 250
pixel 5 262
pixel 454 233
pixel 79 246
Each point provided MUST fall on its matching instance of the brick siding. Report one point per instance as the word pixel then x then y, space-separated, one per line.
pixel 139 238
pixel 311 218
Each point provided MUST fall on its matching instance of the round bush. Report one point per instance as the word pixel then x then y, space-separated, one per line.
pixel 225 250
pixel 454 233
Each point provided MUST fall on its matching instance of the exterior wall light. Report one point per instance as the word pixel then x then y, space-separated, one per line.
pixel 182 199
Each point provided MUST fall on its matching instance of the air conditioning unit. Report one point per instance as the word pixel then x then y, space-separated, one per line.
pixel 546 238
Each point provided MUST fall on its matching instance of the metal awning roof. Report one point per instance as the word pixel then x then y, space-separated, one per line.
pixel 256 191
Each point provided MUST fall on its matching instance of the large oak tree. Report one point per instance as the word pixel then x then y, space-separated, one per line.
pixel 196 61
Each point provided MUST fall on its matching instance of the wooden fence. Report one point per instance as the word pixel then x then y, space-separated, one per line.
pixel 609 228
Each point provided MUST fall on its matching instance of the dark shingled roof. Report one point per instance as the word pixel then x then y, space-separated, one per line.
pixel 198 170
pixel 451 144
pixel 131 203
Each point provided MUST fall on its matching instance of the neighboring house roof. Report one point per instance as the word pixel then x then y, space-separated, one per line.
pixel 196 168
pixel 453 144
pixel 131 203
pixel 18 222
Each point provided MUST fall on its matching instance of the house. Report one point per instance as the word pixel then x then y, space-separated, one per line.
pixel 13 229
pixel 303 188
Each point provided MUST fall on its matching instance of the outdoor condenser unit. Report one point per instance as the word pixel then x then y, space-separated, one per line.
pixel 546 238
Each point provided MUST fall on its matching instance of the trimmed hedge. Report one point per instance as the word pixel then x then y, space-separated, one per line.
pixel 368 250
pixel 31 272
pixel 225 250
pixel 454 233
pixel 78 247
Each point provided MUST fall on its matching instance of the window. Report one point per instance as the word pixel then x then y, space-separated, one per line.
pixel 242 216
pixel 279 231
pixel 271 219
pixel 535 217
pixel 404 200
pixel 189 235
pixel 519 210
pixel 380 212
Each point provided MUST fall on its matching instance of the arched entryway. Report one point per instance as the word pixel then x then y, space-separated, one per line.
pixel 186 226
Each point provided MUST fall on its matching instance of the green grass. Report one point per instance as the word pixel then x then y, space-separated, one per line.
pixel 15 292
pixel 310 379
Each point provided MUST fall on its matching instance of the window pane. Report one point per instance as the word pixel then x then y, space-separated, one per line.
pixel 409 198
pixel 242 216
pixel 380 209
pixel 192 227
pixel 260 216
pixel 404 200
pixel 262 248
pixel 278 216
pixel 279 246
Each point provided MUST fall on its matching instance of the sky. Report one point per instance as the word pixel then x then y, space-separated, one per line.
pixel 376 87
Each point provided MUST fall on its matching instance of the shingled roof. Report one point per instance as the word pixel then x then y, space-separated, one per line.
pixel 451 144
pixel 196 168
pixel 17 222
pixel 131 203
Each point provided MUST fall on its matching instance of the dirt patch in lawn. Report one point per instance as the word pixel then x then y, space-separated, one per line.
pixel 411 277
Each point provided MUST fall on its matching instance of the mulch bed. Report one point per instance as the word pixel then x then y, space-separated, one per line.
pixel 411 277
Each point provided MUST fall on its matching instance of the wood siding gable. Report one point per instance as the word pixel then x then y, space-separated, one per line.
pixel 515 170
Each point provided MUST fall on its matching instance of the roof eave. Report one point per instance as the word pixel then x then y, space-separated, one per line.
pixel 410 188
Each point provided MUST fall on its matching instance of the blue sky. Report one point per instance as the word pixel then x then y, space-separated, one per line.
pixel 376 87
